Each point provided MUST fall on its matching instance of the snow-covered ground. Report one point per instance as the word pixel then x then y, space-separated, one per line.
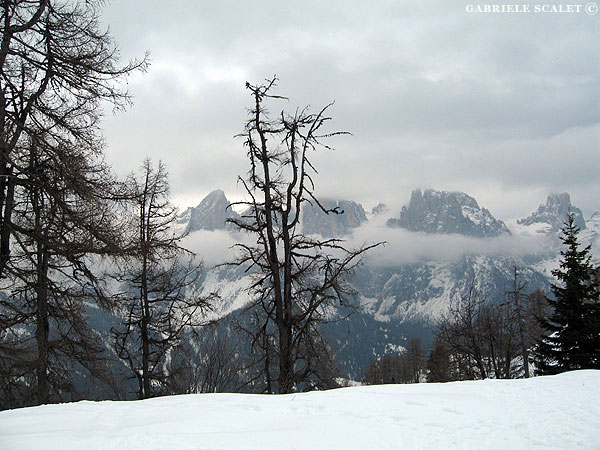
pixel 554 412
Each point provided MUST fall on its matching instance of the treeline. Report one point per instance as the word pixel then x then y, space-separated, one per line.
pixel 476 339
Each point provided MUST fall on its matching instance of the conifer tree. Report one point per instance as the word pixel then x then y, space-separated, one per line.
pixel 572 332
pixel 58 68
pixel 159 301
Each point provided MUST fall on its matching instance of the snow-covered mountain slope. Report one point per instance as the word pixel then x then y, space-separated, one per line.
pixel 231 283
pixel 552 412
pixel 442 243
pixel 407 301
pixel 424 292
pixel 591 235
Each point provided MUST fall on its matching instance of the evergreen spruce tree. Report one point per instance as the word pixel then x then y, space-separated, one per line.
pixel 572 332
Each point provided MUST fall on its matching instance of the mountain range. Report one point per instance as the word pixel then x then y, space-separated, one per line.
pixel 454 243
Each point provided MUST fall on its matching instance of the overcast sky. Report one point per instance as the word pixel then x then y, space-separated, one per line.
pixel 504 107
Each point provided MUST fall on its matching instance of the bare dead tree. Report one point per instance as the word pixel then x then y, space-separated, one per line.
pixel 517 297
pixel 397 368
pixel 478 340
pixel 499 333
pixel 438 363
pixel 208 361
pixel 461 331
pixel 159 301
pixel 296 277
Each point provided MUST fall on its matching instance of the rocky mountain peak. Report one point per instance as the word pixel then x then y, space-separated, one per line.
pixel 315 221
pixel 380 208
pixel 447 212
pixel 211 213
pixel 554 213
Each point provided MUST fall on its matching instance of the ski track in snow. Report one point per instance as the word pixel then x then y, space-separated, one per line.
pixel 554 412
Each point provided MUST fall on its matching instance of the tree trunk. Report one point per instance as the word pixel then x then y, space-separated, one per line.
pixel 42 326
pixel 41 292
pixel 524 351
pixel 267 362
pixel 7 204
pixel 144 331
pixel 286 369
pixel 516 294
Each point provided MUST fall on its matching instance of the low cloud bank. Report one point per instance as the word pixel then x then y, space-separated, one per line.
pixel 214 247
pixel 402 246
pixel 406 247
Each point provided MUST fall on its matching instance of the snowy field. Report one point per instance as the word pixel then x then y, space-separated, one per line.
pixel 556 412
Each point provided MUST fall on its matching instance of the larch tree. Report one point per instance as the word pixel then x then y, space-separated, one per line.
pixel 296 277
pixel 159 300
pixel 59 218
pixel 56 68
pixel 517 297
pixel 438 363
pixel 480 337
pixel 395 368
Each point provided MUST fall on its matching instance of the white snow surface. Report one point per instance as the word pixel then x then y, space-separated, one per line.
pixel 552 412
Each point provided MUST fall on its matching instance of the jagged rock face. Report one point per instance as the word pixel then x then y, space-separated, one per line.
pixel 184 217
pixel 447 212
pixel 379 209
pixel 593 224
pixel 211 214
pixel 554 213
pixel 315 221
pixel 423 292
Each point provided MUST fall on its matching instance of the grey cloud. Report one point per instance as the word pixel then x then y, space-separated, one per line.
pixel 501 106
pixel 214 247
